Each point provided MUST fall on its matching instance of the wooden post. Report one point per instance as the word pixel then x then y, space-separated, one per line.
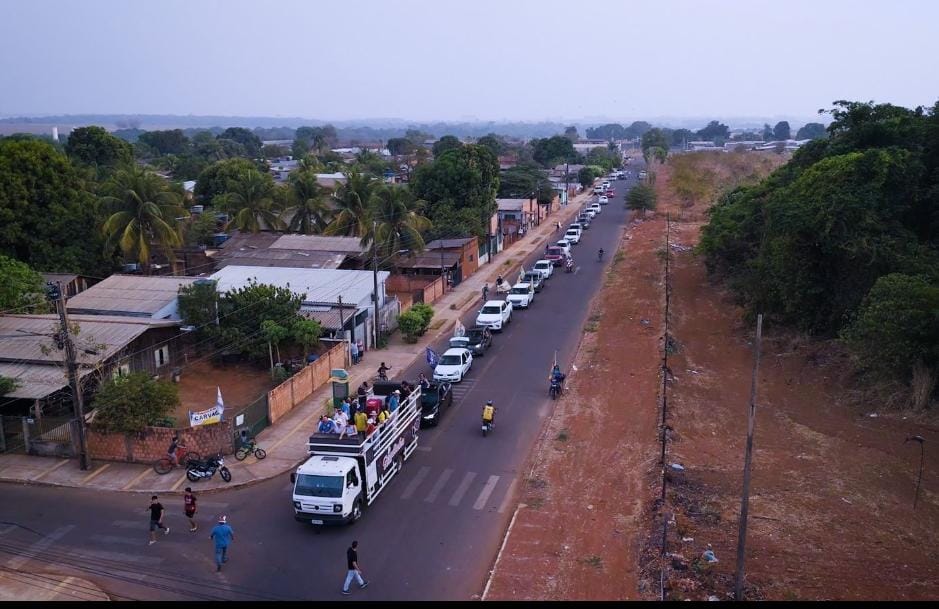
pixel 745 498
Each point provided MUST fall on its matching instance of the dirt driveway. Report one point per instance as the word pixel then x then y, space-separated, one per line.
pixel 241 384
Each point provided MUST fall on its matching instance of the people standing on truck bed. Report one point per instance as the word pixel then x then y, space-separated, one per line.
pixel 394 400
pixel 361 421
pixel 362 393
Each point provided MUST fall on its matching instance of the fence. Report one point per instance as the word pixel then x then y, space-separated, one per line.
pixel 283 398
pixel 388 316
pixel 253 418
pixel 49 436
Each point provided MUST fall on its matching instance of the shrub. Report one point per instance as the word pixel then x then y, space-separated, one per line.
pixel 131 403
pixel 412 325
pixel 426 312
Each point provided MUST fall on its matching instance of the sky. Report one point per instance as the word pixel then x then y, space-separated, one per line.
pixel 424 60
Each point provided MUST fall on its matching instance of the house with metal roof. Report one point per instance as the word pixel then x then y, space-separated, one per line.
pixel 140 296
pixel 290 251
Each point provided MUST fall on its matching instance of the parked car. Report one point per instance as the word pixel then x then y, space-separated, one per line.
pixel 476 340
pixel 610 193
pixel 545 267
pixel 521 295
pixel 572 235
pixel 584 220
pixel 590 212
pixel 642 175
pixel 565 246
pixel 535 278
pixel 595 208
pixel 555 255
pixel 576 225
pixel 434 400
pixel 453 365
pixel 606 185
pixel 602 200
pixel 495 314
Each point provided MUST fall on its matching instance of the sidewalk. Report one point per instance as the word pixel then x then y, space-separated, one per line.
pixel 26 586
pixel 285 442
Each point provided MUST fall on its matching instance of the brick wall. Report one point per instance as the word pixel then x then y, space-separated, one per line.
pixel 151 444
pixel 283 398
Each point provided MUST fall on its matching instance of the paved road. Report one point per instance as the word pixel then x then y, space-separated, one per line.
pixel 432 535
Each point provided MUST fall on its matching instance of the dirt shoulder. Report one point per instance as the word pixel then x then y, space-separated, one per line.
pixel 577 531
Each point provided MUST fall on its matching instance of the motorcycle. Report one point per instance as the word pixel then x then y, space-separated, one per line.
pixel 555 389
pixel 569 265
pixel 487 427
pixel 204 470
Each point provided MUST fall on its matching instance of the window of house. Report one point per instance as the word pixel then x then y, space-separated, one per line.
pixel 162 356
pixel 121 371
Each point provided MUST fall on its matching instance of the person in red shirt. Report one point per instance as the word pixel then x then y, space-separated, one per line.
pixel 189 505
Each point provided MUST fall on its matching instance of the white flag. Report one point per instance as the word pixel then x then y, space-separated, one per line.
pixel 218 399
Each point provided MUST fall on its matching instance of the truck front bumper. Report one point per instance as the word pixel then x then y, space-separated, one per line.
pixel 324 519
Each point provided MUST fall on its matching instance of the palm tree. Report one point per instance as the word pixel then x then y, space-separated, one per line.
pixel 352 213
pixel 143 211
pixel 396 226
pixel 310 203
pixel 252 198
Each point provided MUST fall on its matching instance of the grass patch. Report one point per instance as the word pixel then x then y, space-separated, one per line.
pixel 537 483
pixel 593 561
pixel 509 262
pixel 593 322
pixel 535 503
pixel 619 256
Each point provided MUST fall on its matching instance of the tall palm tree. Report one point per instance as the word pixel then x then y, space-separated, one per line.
pixel 396 225
pixel 143 210
pixel 251 199
pixel 309 202
pixel 352 213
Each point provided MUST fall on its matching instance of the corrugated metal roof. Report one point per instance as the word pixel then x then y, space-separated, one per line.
pixel 63 277
pixel 428 260
pixel 330 319
pixel 448 243
pixel 284 258
pixel 319 243
pixel 130 294
pixel 511 204
pixel 36 381
pixel 107 336
pixel 319 285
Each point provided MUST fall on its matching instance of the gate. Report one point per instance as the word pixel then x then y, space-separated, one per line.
pixel 48 436
pixel 251 419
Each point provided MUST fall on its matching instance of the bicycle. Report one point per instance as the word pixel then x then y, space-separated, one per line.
pixel 165 465
pixel 251 446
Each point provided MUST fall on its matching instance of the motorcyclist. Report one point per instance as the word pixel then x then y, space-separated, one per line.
pixel 557 375
pixel 569 263
pixel 600 254
pixel 489 414
pixel 383 371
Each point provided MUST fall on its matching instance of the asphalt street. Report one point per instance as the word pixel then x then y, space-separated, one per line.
pixel 432 535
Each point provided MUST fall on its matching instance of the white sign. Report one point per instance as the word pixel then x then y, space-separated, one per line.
pixel 205 417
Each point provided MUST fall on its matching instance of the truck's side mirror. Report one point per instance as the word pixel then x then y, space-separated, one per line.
pixel 293 478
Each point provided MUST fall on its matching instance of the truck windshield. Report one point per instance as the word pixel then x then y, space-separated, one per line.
pixel 318 486
pixel 492 310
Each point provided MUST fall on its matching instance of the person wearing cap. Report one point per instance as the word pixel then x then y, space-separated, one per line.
pixel 394 400
pixel 222 534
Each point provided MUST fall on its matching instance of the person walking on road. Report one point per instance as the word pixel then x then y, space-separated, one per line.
pixel 222 534
pixel 486 292
pixel 352 559
pixel 156 519
pixel 189 505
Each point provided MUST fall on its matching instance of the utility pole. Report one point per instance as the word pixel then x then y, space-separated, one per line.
pixel 342 321
pixel 375 276
pixel 745 498
pixel 65 339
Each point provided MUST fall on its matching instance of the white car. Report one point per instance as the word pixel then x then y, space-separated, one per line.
pixel 572 235
pixel 580 227
pixel 521 295
pixel 453 365
pixel 565 245
pixel 603 199
pixel 606 185
pixel 495 314
pixel 590 212
pixel 595 208
pixel 545 268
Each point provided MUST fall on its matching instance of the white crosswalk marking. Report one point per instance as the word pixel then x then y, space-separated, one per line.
pixel 121 557
pixel 461 490
pixel 438 486
pixel 39 547
pixel 415 483
pixel 484 494
pixel 507 500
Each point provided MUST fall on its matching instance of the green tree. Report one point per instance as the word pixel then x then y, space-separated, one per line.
pixel 96 147
pixel 571 133
pixel 586 176
pixel 641 197
pixel 636 130
pixel 198 307
pixel 411 323
pixel 681 136
pixel 309 203
pixel 131 403
pixel 767 133
pixel 493 142
pixel 400 146
pixel 244 311
pixel 782 131
pixel 8 385
pixel 460 189
pixel 897 326
pixel 213 181
pixel 714 131
pixel 610 131
pixel 22 290
pixel 251 199
pixel 170 141
pixel 351 217
pixel 447 142
pixel 142 210
pixel 48 218
pixel 550 151
pixel 300 148
pixel 201 230
pixel 272 151
pixel 811 131
pixel 521 181
pixel 245 137
pixel 397 225
pixel 654 145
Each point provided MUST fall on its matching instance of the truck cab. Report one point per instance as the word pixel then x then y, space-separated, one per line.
pixel 328 490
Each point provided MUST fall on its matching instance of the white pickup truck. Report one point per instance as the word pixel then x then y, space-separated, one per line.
pixel 343 476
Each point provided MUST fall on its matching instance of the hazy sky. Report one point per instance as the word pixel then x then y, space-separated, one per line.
pixel 449 59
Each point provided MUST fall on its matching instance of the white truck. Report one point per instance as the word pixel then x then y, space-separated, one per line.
pixel 344 476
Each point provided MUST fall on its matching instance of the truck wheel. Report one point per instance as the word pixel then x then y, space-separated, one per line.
pixel 356 510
